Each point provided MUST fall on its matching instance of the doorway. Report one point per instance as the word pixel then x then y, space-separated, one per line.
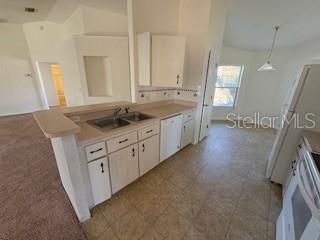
pixel 52 82
pixel 56 72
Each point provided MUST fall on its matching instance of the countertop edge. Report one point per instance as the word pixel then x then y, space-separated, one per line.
pixel 71 128
pixel 63 126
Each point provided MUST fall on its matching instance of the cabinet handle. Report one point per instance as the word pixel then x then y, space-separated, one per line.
pixel 149 131
pixel 178 79
pixel 184 128
pixel 133 152
pixel 123 141
pixel 143 147
pixel 293 163
pixel 94 151
pixel 102 169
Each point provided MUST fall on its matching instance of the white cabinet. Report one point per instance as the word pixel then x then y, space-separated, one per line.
pixel 144 58
pixel 148 131
pixel 161 60
pixel 170 136
pixel 95 151
pixel 187 133
pixel 148 154
pixel 124 167
pixel 100 180
pixel 168 53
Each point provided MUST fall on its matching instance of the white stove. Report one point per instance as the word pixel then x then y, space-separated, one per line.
pixel 300 216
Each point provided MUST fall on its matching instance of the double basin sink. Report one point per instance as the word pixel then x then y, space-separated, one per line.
pixel 109 123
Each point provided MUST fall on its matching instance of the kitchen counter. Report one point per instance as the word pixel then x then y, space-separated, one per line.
pixel 313 140
pixel 57 122
pixel 89 134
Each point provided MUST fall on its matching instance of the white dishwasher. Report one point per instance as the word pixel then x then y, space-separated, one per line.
pixel 170 139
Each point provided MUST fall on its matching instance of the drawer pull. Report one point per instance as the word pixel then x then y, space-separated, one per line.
pixel 143 147
pixel 123 141
pixel 94 151
pixel 149 131
pixel 293 164
pixel 102 169
pixel 133 152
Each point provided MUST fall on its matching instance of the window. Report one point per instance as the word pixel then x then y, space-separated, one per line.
pixel 227 86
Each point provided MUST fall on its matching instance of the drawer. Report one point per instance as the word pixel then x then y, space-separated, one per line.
pixel 122 141
pixel 187 116
pixel 148 131
pixel 96 151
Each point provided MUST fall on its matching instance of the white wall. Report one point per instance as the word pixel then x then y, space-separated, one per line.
pixel 43 38
pixel 99 22
pixel 117 49
pixel 261 92
pixel 156 16
pixel 48 42
pixel 18 92
pixel 193 24
pixel 264 92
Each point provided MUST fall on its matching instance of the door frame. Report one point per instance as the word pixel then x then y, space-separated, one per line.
pixel 204 96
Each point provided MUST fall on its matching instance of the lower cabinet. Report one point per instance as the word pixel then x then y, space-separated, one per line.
pixel 100 180
pixel 124 167
pixel 187 133
pixel 148 154
pixel 170 136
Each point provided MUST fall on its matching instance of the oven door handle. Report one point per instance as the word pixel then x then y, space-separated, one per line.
pixel 314 209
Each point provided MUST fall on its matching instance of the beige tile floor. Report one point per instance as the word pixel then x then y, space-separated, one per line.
pixel 213 190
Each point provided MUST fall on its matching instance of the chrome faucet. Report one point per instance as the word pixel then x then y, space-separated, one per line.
pixel 116 111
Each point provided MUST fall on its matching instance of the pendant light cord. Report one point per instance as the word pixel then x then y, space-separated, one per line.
pixel 273 42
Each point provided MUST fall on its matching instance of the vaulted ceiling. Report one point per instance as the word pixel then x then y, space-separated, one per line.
pixel 250 23
pixel 12 11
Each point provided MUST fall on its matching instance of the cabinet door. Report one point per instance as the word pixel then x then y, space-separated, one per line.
pixel 124 167
pixel 148 154
pixel 144 58
pixel 168 53
pixel 187 133
pixel 170 136
pixel 99 179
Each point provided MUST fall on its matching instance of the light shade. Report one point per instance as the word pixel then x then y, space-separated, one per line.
pixel 267 67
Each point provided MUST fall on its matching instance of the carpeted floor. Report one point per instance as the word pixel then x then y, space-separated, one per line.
pixel 33 204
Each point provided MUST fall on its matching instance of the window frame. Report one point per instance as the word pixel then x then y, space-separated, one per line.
pixel 236 88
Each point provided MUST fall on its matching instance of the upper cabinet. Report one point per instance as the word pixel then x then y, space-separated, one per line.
pixel 161 60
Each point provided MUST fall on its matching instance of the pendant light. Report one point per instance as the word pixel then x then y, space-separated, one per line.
pixel 268 65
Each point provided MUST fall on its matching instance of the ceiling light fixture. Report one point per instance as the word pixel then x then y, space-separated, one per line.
pixel 268 65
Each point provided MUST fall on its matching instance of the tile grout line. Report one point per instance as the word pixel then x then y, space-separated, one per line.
pixel 234 210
